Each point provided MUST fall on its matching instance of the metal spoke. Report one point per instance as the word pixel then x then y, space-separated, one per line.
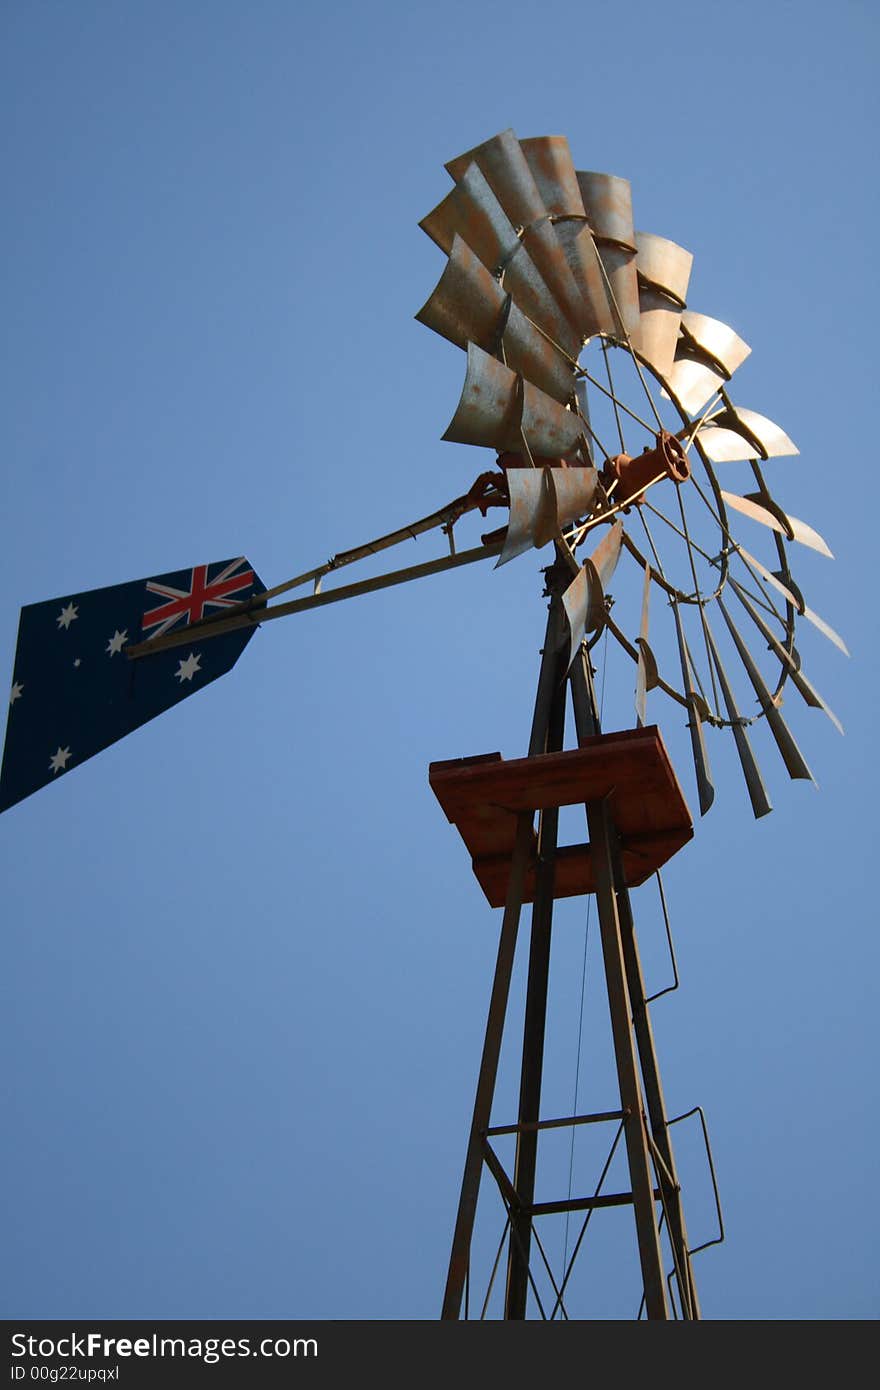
pixel 588 376
pixel 638 366
pixel 673 600
pixel 595 438
pixel 763 599
pixel 768 604
pixel 654 550
pixel 614 400
pixel 689 432
pixel 679 532
pixel 696 675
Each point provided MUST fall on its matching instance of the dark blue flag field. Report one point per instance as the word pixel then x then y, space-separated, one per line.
pixel 74 689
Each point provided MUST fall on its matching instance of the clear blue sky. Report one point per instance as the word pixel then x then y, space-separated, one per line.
pixel 245 965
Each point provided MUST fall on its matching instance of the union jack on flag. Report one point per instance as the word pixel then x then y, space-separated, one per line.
pixel 225 590
pixel 74 689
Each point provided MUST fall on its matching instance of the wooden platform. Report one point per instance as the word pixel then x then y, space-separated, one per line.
pixel 482 796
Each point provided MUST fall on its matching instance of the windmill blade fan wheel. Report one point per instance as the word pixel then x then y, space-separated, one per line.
pixel 594 382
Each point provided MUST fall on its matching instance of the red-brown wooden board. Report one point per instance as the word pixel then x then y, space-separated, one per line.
pixel 483 795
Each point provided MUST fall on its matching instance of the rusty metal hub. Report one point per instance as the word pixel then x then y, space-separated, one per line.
pixel 630 477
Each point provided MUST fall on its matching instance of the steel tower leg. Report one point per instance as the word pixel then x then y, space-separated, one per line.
pixel 667 1175
pixel 525 1163
pixel 470 1184
pixel 635 1127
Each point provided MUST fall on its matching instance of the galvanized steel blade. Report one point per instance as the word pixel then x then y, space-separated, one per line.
pixel 768 514
pixel 504 165
pixel 467 301
pixel 584 599
pixel 532 512
pixel 542 501
pixel 736 434
pixel 795 763
pixel 809 536
pixel 716 341
pixel 795 674
pixel 663 271
pixel 691 381
pixel 469 305
pixel 646 669
pixel 607 202
pixel 574 491
pixel 772 579
pixel 825 628
pixel 797 530
pixel 550 430
pixel 472 212
pixel 657 333
pixel 705 786
pixel 529 352
pixel 664 265
pixel 497 408
pixel 490 407
pixel 532 296
pixel 607 553
pixel 507 172
pixel 583 405
pixel 549 158
pixel 751 772
pixel 707 355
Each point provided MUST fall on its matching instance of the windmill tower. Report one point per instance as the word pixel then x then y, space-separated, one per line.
pixel 621 456
pixel 606 401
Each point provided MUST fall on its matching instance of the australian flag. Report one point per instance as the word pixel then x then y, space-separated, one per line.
pixel 74 689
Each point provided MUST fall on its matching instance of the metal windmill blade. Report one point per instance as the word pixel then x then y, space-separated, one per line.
pixel 473 213
pixel 506 169
pixel 706 356
pixel 608 205
pixel 646 678
pixel 764 510
pixel 735 434
pixel 664 270
pixel 584 599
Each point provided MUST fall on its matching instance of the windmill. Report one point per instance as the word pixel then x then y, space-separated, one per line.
pixel 606 402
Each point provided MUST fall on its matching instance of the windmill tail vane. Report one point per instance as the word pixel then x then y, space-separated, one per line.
pixel 92 667
pixel 74 691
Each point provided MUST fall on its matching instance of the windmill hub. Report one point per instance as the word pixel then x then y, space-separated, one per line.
pixel 630 477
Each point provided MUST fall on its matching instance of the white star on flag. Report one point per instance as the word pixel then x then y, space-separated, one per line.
pixel 66 616
pixel 15 694
pixel 58 762
pixel 117 642
pixel 187 669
